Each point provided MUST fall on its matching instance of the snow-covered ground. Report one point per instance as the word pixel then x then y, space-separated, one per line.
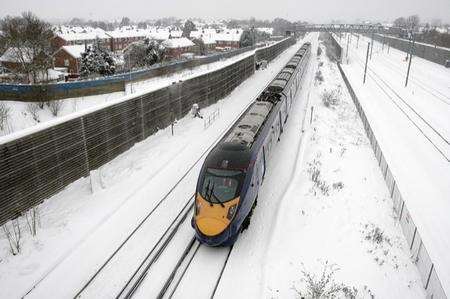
pixel 21 118
pixel 295 226
pixel 342 224
pixel 412 127
pixel 79 229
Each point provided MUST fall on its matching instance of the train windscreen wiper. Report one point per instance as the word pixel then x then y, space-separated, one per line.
pixel 215 196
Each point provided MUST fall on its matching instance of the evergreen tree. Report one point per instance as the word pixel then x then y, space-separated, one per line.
pixel 189 26
pixel 247 38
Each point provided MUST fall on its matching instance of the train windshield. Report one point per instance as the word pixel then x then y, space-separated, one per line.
pixel 221 185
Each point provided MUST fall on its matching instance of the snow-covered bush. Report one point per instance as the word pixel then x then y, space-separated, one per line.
pixel 331 98
pixel 324 286
pixel 4 115
pixel 96 60
pixel 33 109
pixel 14 235
pixel 143 54
pixel 319 76
pixel 55 106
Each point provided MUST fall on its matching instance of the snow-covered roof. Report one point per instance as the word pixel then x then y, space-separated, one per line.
pixel 177 43
pixel 163 34
pixel 13 55
pixel 128 31
pixel 75 51
pixel 267 30
pixel 74 33
pixel 231 35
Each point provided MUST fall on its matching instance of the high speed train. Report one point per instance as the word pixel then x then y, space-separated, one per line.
pixel 230 178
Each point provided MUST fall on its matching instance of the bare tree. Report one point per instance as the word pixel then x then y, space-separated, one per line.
pixel 33 109
pixel 29 40
pixel 413 22
pixel 400 22
pixel 14 235
pixel 33 220
pixel 4 115
pixel 436 23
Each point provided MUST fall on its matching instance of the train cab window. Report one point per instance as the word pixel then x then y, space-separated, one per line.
pixel 221 185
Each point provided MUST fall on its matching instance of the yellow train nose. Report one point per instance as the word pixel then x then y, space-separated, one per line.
pixel 211 226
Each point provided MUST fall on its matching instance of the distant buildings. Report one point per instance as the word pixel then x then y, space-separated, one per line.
pixel 69 57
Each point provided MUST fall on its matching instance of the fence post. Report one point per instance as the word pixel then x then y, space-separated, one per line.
pixel 367 58
pixel 142 118
pixel 371 47
pixel 86 156
pixel 410 59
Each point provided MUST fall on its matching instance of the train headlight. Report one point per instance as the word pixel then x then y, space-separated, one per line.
pixel 231 212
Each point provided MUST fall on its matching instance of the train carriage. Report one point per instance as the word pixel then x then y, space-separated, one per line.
pixel 229 181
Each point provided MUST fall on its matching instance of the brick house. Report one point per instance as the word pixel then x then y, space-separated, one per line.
pixel 177 46
pixel 68 36
pixel 229 39
pixel 69 57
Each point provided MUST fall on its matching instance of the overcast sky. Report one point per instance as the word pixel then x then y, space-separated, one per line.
pixel 312 10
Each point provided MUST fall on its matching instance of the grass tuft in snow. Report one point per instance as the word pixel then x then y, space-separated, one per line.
pixel 319 183
pixel 55 106
pixel 13 233
pixel 323 286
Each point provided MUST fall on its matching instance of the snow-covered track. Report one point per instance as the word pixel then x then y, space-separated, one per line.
pixel 440 142
pixel 139 275
pixel 193 262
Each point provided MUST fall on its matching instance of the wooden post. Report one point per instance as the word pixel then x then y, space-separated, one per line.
pixel 371 47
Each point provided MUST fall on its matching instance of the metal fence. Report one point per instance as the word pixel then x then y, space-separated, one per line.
pixel 39 165
pixel 429 52
pixel 419 252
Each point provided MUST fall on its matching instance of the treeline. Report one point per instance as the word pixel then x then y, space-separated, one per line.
pixel 424 32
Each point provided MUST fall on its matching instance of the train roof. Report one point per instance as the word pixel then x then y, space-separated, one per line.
pixel 245 131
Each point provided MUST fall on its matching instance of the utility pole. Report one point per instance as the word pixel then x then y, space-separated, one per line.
pixel 371 47
pixel 367 58
pixel 346 53
pixel 411 49
pixel 357 42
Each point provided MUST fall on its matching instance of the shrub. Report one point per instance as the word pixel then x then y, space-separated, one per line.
pixel 331 98
pixel 325 285
pixel 33 109
pixel 319 76
pixel 55 106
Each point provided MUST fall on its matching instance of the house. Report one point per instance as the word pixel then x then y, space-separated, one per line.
pixel 229 39
pixel 14 58
pixel 75 35
pixel 177 46
pixel 124 36
pixel 69 57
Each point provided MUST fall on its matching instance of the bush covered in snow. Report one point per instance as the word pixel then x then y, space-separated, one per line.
pixel 319 77
pixel 143 54
pixel 331 98
pixel 4 115
pixel 96 61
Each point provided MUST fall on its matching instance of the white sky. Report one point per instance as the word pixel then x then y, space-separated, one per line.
pixel 312 10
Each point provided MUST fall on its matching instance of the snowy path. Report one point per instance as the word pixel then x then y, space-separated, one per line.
pixel 421 171
pixel 79 230
pixel 295 224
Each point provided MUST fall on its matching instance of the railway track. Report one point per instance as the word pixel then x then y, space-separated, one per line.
pixel 434 136
pixel 183 273
pixel 121 287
